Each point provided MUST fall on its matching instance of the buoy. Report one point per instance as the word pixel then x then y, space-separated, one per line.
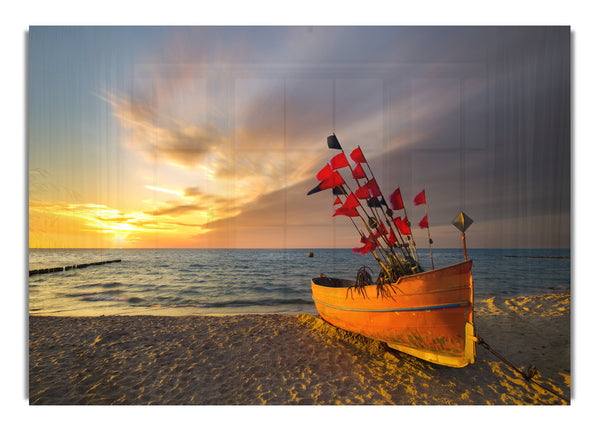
pixel 310 254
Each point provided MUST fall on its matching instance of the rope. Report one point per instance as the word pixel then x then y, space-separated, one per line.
pixel 531 371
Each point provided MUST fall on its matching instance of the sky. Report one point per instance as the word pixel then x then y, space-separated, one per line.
pixel 212 136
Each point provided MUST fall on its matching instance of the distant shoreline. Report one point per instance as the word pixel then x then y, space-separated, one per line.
pixel 542 257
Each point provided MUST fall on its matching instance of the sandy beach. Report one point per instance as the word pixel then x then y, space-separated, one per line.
pixel 290 360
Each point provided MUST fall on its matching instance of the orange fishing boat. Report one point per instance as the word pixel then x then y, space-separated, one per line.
pixel 428 315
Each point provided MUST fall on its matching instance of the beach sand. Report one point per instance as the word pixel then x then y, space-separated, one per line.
pixel 287 360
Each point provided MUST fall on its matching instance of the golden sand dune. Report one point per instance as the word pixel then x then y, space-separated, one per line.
pixel 274 359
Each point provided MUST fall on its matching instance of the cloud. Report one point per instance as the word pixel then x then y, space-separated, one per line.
pixel 192 192
pixel 178 210
pixel 160 136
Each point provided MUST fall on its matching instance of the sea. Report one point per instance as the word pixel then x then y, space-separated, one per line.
pixel 248 281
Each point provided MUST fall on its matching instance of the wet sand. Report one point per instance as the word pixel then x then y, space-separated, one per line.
pixel 290 360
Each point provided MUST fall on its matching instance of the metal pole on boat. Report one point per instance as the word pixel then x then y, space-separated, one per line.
pixel 380 222
pixel 385 214
pixel 377 217
pixel 379 247
pixel 462 223
pixel 336 145
pixel 429 236
pixel 411 238
pixel 378 258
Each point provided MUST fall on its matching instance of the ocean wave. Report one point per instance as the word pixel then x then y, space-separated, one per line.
pixel 104 298
pixel 135 300
pixel 106 285
pixel 84 294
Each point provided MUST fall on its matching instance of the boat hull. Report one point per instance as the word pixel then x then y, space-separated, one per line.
pixel 427 315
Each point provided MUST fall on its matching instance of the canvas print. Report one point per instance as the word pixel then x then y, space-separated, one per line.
pixel 314 215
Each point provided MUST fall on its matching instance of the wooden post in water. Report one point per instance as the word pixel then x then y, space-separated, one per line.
pixel 69 267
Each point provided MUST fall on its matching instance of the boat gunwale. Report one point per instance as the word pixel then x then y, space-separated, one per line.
pixel 398 282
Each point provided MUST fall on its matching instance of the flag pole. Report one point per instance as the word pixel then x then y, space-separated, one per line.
pixel 391 224
pixel 379 246
pixel 376 256
pixel 379 220
pixel 333 142
pixel 429 234
pixel 411 240
pixel 336 145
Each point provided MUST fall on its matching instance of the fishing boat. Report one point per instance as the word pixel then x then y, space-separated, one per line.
pixel 426 314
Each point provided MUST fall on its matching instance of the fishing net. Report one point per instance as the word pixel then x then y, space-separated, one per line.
pixel 363 278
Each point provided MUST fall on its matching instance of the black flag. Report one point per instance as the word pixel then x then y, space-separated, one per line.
pixel 374 203
pixel 315 190
pixel 333 143
pixel 339 190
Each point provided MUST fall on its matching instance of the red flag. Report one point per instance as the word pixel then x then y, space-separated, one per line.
pixel 363 192
pixel 347 211
pixel 332 181
pixel 373 187
pixel 358 172
pixel 337 201
pixel 420 198
pixel 424 223
pixel 382 229
pixel 348 208
pixel 402 225
pixel 396 200
pixel 339 161
pixel 351 201
pixel 392 238
pixel 374 235
pixel 357 156
pixel 363 238
pixel 369 246
pixel 325 173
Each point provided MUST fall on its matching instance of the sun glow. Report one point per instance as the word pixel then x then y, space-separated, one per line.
pixel 108 226
pixel 161 189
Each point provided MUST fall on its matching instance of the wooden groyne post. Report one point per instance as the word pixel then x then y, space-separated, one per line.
pixel 67 268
